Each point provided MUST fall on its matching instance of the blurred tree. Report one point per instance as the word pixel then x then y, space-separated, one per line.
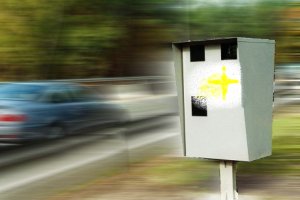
pixel 90 31
pixel 77 38
pixel 263 19
pixel 233 19
pixel 149 24
pixel 288 34
pixel 29 32
pixel 16 50
pixel 43 39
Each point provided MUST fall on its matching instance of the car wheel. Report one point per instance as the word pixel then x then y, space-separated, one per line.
pixel 55 131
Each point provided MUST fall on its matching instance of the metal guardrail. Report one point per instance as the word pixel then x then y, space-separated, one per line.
pixel 110 79
pixel 287 86
pixel 284 94
pixel 120 79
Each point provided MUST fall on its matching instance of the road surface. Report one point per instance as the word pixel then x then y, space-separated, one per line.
pixel 36 171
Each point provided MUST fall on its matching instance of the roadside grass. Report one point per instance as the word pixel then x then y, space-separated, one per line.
pixel 285 159
pixel 286 125
pixel 184 174
pixel 180 172
pixel 283 162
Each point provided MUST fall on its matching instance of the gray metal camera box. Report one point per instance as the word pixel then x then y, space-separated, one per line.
pixel 225 96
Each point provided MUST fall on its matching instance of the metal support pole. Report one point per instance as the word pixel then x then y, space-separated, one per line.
pixel 228 180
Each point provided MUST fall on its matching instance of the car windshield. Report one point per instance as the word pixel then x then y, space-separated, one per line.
pixel 20 91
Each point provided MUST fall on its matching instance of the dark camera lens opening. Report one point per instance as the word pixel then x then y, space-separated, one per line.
pixel 197 53
pixel 228 51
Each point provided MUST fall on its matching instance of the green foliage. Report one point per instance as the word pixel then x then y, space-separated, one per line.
pixel 253 20
pixel 181 172
pixel 74 38
pixel 285 159
pixel 263 19
pixel 42 39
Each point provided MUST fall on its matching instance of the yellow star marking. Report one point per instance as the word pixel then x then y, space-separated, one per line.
pixel 224 82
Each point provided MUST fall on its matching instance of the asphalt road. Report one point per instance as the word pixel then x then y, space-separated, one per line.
pixel 35 171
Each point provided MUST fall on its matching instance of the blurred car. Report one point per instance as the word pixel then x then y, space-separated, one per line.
pixel 37 110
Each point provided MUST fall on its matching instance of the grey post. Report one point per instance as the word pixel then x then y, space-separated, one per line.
pixel 228 180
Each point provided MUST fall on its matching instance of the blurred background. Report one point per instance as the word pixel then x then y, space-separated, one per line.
pixel 122 49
